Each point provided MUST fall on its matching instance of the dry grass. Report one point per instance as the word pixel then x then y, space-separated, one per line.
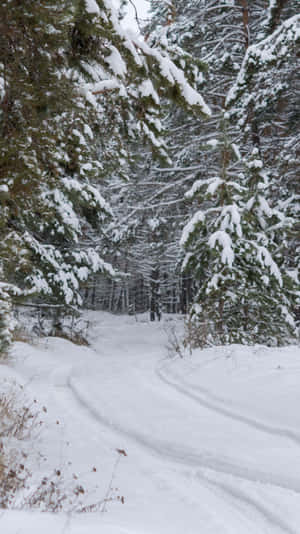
pixel 75 337
pixel 178 344
pixel 39 329
pixel 20 334
pixel 2 465
pixel 17 422
pixel 54 492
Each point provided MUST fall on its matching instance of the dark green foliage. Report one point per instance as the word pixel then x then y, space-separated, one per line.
pixel 74 89
pixel 235 248
pixel 47 198
pixel 246 280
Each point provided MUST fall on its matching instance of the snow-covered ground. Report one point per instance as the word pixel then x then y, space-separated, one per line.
pixel 212 440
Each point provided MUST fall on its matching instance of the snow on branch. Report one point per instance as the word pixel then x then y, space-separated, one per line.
pixel 265 259
pixel 225 242
pixel 272 51
pixel 140 52
pixel 92 7
pixel 175 76
pixel 189 229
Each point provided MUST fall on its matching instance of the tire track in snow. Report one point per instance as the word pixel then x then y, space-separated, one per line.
pixel 227 412
pixel 250 502
pixel 185 457
pixel 207 463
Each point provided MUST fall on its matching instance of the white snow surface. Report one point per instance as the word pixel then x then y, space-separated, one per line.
pixel 116 62
pixel 224 240
pixel 92 7
pixel 212 440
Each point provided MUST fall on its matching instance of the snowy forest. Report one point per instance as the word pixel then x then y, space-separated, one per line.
pixel 152 171
pixel 149 266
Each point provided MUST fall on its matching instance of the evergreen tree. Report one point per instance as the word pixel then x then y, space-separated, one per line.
pixel 47 198
pixel 74 88
pixel 142 205
pixel 245 293
pixel 223 34
pixel 212 255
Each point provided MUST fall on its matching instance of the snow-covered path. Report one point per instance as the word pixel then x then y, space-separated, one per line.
pixel 213 442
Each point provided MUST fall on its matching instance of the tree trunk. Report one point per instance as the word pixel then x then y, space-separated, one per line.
pixel 155 312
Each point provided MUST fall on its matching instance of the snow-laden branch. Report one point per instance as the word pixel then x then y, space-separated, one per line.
pixel 140 52
pixel 273 51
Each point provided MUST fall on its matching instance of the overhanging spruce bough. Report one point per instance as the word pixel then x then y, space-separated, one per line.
pixel 74 88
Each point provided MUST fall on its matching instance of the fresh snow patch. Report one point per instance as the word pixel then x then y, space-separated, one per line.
pixel 92 7
pixel 212 440
pixel 116 63
pixel 225 241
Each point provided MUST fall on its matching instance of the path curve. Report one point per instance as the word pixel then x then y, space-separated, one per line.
pixel 207 466
pixel 193 394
